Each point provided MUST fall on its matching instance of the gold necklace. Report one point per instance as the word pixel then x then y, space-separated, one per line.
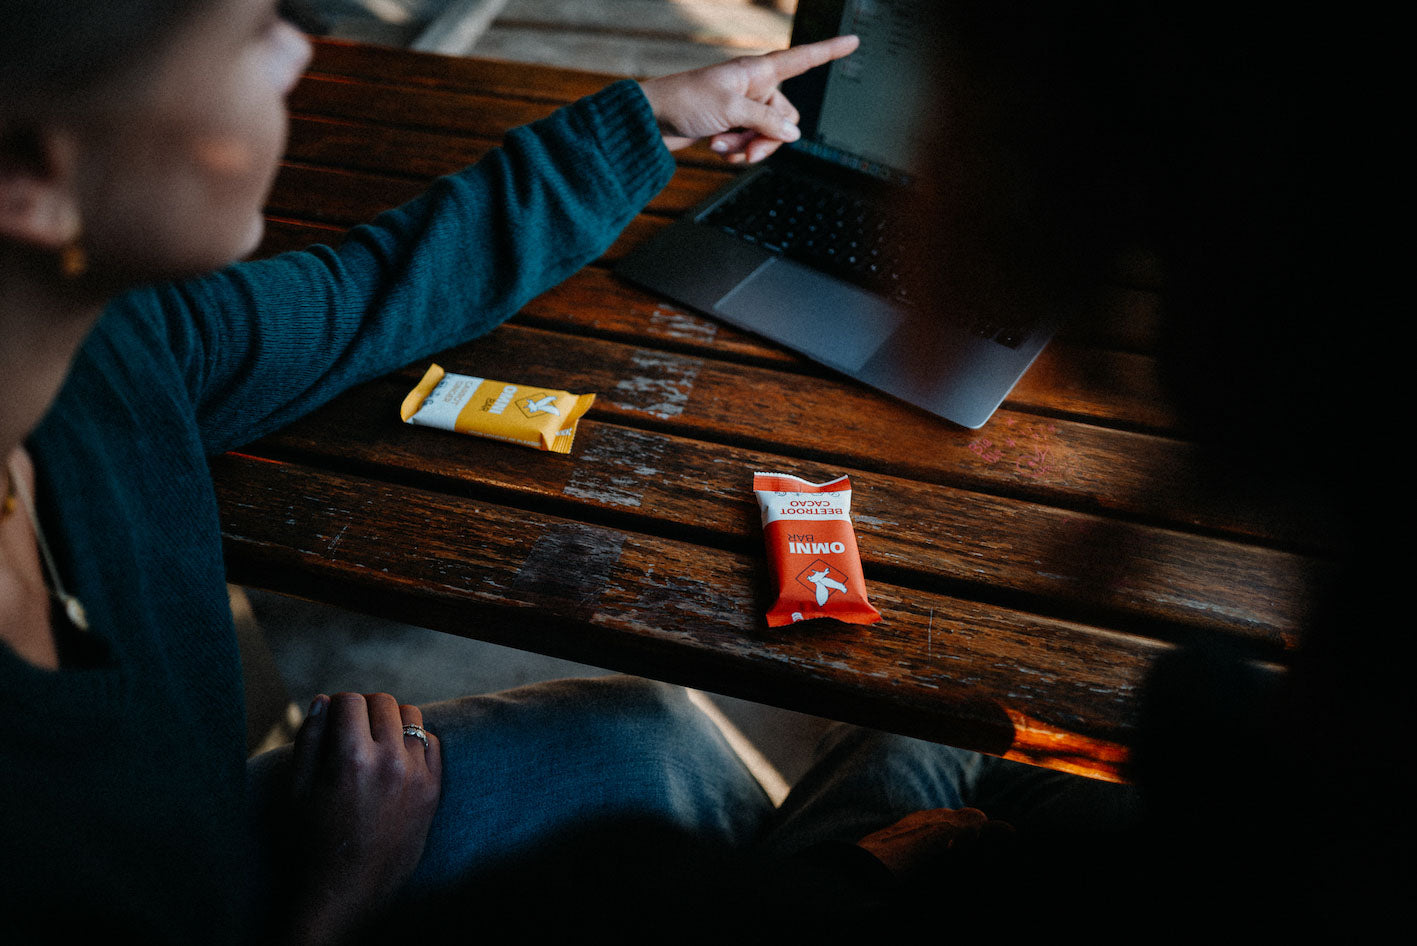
pixel 73 608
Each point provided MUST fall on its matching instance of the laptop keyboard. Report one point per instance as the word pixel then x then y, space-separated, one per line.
pixel 843 234
pixel 815 224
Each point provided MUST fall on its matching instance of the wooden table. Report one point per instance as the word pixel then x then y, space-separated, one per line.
pixel 1029 572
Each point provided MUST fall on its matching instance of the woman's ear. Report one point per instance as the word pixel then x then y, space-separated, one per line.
pixel 39 204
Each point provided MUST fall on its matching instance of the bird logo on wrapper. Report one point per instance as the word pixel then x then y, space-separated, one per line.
pixel 532 406
pixel 812 550
pixel 823 581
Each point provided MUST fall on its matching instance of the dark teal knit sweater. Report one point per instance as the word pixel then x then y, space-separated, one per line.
pixel 122 805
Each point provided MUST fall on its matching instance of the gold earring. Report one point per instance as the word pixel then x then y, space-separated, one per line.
pixel 73 261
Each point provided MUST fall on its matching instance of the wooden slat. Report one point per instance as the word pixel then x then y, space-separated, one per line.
pixel 454 73
pixel 471 113
pixel 338 143
pixel 943 668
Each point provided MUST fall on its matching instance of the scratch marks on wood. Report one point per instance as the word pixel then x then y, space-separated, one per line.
pixel 661 386
pixel 669 322
pixel 616 468
pixel 334 543
pixel 874 522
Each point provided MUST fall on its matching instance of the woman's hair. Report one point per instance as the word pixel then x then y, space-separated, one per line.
pixel 51 52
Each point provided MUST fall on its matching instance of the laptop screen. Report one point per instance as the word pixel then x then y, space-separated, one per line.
pixel 868 112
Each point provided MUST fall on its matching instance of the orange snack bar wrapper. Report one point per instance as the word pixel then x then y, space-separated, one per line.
pixel 535 417
pixel 812 550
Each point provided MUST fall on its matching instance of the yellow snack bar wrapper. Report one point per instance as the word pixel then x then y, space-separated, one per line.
pixel 518 413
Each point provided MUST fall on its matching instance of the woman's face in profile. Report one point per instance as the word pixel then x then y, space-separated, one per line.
pixel 175 167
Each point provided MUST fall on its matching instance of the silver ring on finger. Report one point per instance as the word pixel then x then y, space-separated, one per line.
pixel 417 732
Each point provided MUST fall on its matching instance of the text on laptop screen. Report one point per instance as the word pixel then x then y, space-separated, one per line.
pixel 873 112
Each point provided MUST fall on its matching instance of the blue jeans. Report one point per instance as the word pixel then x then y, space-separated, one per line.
pixel 568 778
pixel 620 790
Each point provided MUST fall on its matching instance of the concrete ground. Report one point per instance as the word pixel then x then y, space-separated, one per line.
pixel 626 37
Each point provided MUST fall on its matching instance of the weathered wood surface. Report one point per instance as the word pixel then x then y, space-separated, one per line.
pixel 686 612
pixel 1029 572
pixel 671 482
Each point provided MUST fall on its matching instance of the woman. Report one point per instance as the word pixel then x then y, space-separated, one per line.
pixel 138 139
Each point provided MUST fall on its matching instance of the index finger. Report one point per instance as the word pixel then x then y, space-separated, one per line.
pixel 796 60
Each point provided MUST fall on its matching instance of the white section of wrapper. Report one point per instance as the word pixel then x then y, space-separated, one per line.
pixel 804 507
pixel 449 397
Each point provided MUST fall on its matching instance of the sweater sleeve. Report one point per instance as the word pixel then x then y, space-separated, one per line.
pixel 263 342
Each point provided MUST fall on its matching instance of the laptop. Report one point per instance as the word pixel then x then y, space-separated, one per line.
pixel 804 249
